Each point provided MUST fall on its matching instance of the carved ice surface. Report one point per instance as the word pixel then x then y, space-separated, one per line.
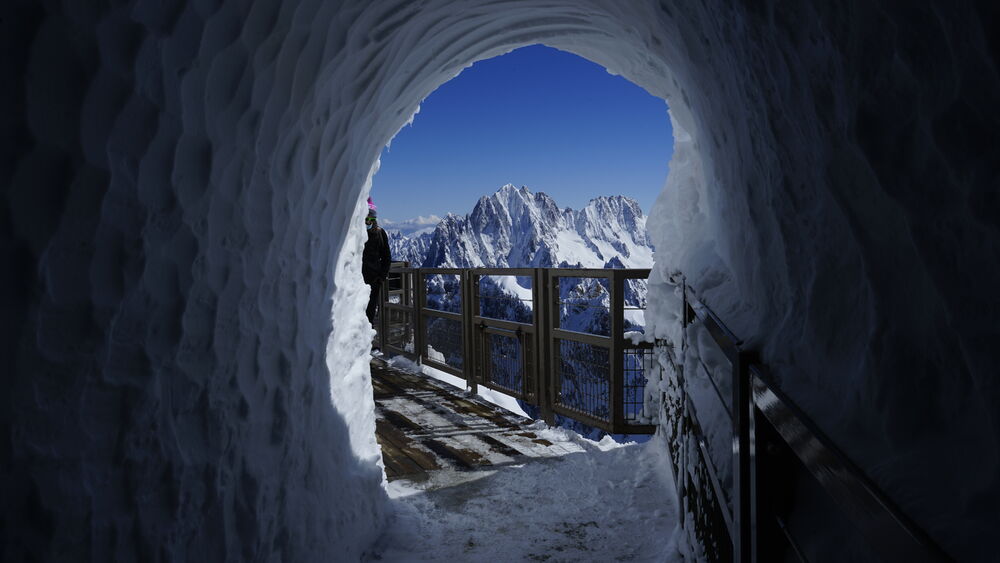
pixel 185 183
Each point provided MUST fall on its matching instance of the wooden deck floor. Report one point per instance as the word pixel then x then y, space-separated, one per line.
pixel 425 425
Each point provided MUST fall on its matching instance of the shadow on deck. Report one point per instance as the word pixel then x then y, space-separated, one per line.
pixel 425 425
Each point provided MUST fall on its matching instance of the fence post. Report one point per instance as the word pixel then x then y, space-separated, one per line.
pixel 411 292
pixel 682 432
pixel 420 293
pixel 542 317
pixel 744 523
pixel 753 476
pixel 383 298
pixel 471 346
pixel 617 336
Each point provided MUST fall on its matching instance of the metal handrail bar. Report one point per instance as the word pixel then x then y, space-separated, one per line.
pixel 579 415
pixel 428 312
pixel 888 530
pixel 583 337
pixel 442 367
pixel 582 272
pixel 504 331
pixel 723 337
pixel 503 271
pixel 577 305
pixel 511 326
pixel 441 271
pixel 629 273
pixel 636 273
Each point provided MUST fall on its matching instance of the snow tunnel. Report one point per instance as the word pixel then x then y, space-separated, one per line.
pixel 185 349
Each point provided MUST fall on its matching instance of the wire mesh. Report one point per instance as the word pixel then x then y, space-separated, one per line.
pixel 529 369
pixel 585 305
pixel 634 298
pixel 399 288
pixel 505 357
pixel 444 292
pixel 399 329
pixel 507 298
pixel 444 341
pixel 583 378
pixel 636 406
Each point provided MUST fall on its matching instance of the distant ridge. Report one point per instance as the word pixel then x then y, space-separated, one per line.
pixel 516 228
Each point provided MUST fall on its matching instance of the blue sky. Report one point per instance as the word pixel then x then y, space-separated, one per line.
pixel 539 117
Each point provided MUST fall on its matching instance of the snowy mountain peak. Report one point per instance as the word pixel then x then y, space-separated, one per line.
pixel 412 227
pixel 517 228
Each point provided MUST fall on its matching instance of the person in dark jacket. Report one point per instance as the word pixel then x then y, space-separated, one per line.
pixel 375 261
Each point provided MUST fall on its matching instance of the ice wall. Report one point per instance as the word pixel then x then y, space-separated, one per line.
pixel 179 188
pixel 183 328
pixel 836 203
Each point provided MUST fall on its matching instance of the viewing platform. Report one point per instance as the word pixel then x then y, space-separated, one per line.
pixel 572 343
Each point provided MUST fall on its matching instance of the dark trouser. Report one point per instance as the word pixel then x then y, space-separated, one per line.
pixel 373 300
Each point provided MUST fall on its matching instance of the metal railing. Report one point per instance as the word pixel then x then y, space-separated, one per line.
pixel 771 486
pixel 551 337
pixel 750 467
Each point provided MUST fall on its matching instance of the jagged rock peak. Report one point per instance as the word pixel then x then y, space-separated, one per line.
pixel 514 227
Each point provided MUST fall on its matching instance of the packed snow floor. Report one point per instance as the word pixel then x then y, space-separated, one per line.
pixel 600 501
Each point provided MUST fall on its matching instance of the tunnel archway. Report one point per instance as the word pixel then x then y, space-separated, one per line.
pixel 535 116
pixel 206 161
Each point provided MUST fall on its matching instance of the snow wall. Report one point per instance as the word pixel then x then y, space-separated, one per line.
pixel 182 302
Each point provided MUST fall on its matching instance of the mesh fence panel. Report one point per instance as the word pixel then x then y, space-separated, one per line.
pixel 444 341
pixel 583 377
pixel 529 368
pixel 584 305
pixel 637 364
pixel 399 329
pixel 444 292
pixel 505 362
pixel 506 298
pixel 635 305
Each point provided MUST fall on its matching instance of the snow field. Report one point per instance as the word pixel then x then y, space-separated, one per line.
pixel 605 502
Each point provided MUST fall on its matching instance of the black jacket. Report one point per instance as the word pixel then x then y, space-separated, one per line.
pixel 375 260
